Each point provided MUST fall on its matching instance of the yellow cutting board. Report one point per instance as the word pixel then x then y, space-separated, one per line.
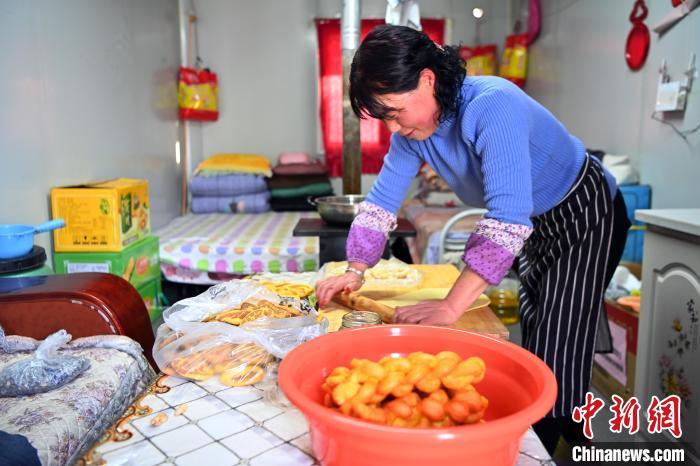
pixel 427 294
pixel 437 281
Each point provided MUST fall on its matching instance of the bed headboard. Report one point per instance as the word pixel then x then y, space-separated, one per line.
pixel 84 304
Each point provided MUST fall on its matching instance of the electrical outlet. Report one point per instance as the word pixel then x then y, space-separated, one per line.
pixel 670 97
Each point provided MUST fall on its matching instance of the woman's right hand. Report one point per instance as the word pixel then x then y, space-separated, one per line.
pixel 326 289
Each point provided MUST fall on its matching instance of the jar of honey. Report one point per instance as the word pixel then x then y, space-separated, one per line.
pixel 504 299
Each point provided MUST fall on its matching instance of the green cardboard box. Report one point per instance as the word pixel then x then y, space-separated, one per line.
pixel 139 263
pixel 152 298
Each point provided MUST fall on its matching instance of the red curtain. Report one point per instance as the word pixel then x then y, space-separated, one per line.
pixel 374 137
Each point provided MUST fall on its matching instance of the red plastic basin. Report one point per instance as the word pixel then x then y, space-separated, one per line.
pixel 520 387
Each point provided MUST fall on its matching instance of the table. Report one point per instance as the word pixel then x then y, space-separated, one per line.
pixel 222 426
pixel 435 276
pixel 332 237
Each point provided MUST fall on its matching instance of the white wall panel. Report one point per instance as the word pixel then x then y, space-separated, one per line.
pixel 87 92
pixel 578 71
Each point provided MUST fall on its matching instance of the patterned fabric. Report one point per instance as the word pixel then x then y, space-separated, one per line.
pixel 365 246
pixel 239 244
pixel 510 236
pixel 375 218
pixel 369 233
pixel 62 424
pixel 492 247
pixel 487 258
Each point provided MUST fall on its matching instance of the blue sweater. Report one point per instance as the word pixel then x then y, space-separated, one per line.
pixel 502 150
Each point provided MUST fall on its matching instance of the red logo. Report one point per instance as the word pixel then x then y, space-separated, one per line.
pixel 624 415
pixel 587 412
pixel 665 415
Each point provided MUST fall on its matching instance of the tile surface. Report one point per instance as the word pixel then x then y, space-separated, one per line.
pixel 229 426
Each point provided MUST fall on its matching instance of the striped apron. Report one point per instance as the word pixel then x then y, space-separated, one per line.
pixel 564 269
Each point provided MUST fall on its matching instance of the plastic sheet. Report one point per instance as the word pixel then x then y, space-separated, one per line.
pixel 46 370
pixel 234 331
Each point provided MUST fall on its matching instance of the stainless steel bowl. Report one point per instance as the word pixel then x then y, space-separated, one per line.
pixel 338 210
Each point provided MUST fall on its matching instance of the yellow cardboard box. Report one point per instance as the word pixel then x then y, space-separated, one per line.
pixel 102 216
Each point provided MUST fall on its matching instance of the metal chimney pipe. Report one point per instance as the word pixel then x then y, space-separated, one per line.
pixel 352 153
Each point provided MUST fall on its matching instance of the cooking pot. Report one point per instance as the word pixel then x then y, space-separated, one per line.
pixel 338 210
pixel 18 240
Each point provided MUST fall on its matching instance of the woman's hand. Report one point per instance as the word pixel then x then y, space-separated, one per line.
pixel 326 289
pixel 437 312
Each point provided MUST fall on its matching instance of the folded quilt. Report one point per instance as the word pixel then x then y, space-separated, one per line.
pixel 235 163
pixel 287 158
pixel 295 181
pixel 245 203
pixel 313 189
pixel 227 185
pixel 313 168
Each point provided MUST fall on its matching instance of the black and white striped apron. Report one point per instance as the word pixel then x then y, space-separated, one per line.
pixel 564 269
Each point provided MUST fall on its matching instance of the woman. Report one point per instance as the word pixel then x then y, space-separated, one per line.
pixel 549 203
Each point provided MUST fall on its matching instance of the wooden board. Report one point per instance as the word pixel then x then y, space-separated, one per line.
pixel 437 280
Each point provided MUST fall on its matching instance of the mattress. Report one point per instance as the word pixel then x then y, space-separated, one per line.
pixel 208 248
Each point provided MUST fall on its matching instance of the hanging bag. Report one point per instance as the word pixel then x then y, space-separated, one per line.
pixel 198 94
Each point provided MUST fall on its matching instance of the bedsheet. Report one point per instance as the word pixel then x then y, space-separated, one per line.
pixel 429 221
pixel 199 246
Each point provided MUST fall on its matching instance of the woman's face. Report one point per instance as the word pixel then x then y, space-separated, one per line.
pixel 417 111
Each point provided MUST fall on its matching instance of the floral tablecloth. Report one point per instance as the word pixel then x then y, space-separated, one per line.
pixel 193 246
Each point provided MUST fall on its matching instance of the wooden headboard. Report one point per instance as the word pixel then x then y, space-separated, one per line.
pixel 83 304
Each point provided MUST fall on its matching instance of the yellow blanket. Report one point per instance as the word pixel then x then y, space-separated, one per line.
pixel 237 163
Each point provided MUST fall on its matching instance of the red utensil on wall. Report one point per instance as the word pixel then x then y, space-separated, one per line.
pixel 638 39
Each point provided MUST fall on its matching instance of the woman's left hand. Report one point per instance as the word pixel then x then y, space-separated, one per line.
pixel 437 312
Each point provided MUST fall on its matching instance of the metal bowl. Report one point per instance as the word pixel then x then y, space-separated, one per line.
pixel 338 210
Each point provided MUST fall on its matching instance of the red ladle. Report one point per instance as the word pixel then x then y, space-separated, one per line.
pixel 638 39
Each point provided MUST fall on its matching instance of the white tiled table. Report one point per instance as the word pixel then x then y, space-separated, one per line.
pixel 227 426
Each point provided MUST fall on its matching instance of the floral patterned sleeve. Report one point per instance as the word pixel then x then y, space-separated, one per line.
pixel 492 247
pixel 368 234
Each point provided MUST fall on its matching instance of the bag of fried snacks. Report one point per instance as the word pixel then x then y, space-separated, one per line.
pixel 292 285
pixel 233 331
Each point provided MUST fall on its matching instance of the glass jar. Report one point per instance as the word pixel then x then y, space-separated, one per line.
pixel 355 319
pixel 504 299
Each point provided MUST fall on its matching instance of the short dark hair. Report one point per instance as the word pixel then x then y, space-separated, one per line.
pixel 390 60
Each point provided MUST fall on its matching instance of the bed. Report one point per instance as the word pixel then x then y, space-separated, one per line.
pixel 207 249
pixel 430 222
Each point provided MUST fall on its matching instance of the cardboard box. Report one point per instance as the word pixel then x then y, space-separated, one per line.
pixel 153 298
pixel 636 197
pixel 139 263
pixel 614 373
pixel 102 216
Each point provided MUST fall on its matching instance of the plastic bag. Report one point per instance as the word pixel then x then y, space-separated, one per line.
pixel 198 92
pixel 479 60
pixel 514 63
pixel 300 285
pixel 234 331
pixel 389 274
pixel 45 371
